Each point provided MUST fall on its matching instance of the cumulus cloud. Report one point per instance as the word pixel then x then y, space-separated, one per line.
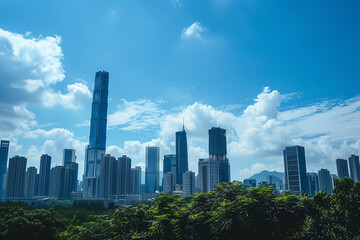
pixel 194 31
pixel 30 68
pixel 135 115
pixel 328 130
pixel 53 142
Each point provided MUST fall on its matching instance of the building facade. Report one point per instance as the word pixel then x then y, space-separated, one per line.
pixel 135 181
pixel 68 156
pixel 123 175
pixel 208 174
pixel 71 176
pixel 108 176
pixel 325 181
pixel 169 182
pixel 16 177
pixel 31 181
pixel 295 169
pixel 181 155
pixel 4 152
pixel 44 175
pixel 313 183
pixel 354 167
pixel 218 151
pixel 188 184
pixel 152 169
pixel 250 182
pixel 97 140
pixel 342 168
pixel 169 163
pixel 57 182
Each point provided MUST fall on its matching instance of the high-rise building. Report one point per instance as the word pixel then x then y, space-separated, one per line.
pixel 71 176
pixel 44 175
pixel 57 182
pixel 218 151
pixel 208 174
pixel 272 180
pixel 295 169
pixel 169 163
pixel 354 167
pixel 342 168
pixel 135 181
pixel 30 187
pixel 123 175
pixel 325 181
pixel 4 151
pixel 152 169
pixel 250 182
pixel 313 183
pixel 181 155
pixel 68 156
pixel 16 177
pixel 108 176
pixel 188 184
pixel 97 140
pixel 169 182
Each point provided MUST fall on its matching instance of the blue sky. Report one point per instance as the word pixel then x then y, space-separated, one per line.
pixel 273 73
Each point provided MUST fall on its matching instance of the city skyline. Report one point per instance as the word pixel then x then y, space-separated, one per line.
pixel 200 63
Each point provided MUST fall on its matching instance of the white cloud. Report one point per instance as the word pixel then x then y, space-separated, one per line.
pixel 30 68
pixel 328 130
pixel 135 115
pixel 193 32
pixel 177 3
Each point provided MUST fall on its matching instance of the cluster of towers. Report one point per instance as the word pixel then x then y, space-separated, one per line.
pixel 105 176
pixel 18 182
pixel 298 180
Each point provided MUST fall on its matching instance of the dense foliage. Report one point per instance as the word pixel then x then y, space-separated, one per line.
pixel 232 211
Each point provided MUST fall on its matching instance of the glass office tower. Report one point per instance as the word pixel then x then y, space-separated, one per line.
pixel 342 168
pixel 295 169
pixel 152 169
pixel 181 155
pixel 97 140
pixel 4 151
pixel 354 167
pixel 218 151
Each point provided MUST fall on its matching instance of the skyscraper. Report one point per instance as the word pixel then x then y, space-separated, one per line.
pixel 169 182
pixel 71 176
pixel 97 140
pixel 152 169
pixel 135 182
pixel 30 188
pixel 218 151
pixel 16 177
pixel 44 175
pixel 250 182
pixel 68 156
pixel 342 168
pixel 57 182
pixel 325 181
pixel 170 163
pixel 354 167
pixel 181 155
pixel 188 184
pixel 4 151
pixel 295 169
pixel 123 175
pixel 108 176
pixel 313 183
pixel 208 174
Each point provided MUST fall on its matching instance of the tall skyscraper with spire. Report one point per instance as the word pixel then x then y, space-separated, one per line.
pixel 97 141
pixel 181 155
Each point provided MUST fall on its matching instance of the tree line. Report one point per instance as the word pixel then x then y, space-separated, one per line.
pixel 231 211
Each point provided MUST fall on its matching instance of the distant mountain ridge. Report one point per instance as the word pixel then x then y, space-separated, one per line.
pixel 261 176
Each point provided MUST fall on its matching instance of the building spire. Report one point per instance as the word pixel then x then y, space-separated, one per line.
pixel 183 125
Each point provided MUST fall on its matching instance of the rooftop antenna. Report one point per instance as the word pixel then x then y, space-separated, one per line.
pixel 183 125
